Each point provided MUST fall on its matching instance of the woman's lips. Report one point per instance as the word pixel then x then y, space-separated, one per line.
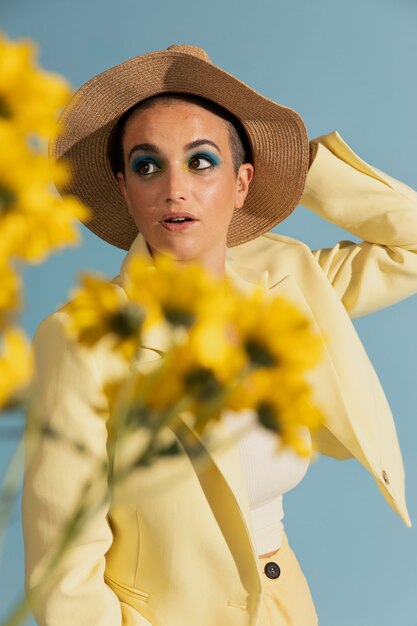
pixel 177 221
pixel 178 226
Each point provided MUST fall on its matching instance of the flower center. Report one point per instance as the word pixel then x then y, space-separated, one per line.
pixel 127 322
pixel 178 317
pixel 7 199
pixel 259 354
pixel 5 110
pixel 268 416
pixel 202 383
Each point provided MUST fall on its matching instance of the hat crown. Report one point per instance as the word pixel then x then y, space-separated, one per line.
pixel 190 49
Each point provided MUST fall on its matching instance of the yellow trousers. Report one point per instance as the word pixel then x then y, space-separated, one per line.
pixel 286 599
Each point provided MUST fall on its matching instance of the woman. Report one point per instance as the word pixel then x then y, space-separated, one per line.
pixel 206 177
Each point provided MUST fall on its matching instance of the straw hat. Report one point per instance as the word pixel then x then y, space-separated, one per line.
pixel 277 136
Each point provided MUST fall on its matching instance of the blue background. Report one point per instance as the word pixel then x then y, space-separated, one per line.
pixel 343 65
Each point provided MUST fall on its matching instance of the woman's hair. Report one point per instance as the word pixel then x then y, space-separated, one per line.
pixel 238 139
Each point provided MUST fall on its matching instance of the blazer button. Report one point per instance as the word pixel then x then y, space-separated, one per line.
pixel 385 477
pixel 272 570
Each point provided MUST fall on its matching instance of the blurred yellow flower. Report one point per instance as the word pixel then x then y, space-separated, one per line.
pixel 29 97
pixel 10 293
pixel 183 375
pixel 16 367
pixel 284 404
pixel 33 218
pixel 98 308
pixel 180 294
pixel 210 344
pixel 275 333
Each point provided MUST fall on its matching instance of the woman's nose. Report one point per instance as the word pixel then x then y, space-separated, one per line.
pixel 175 183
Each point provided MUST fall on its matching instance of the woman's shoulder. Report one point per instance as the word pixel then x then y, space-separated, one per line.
pixel 57 337
pixel 268 252
pixel 267 242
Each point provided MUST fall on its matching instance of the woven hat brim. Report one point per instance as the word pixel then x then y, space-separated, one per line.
pixel 277 135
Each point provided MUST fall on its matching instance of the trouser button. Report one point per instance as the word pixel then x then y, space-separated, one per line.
pixel 272 570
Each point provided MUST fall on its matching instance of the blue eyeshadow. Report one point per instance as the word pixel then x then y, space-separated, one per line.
pixel 211 155
pixel 139 159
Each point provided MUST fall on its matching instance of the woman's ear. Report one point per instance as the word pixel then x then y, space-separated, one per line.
pixel 122 185
pixel 244 177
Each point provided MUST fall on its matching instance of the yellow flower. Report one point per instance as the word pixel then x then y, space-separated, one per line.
pixel 274 333
pixel 179 294
pixel 195 374
pixel 29 97
pixel 16 367
pixel 33 218
pixel 210 344
pixel 10 293
pixel 284 403
pixel 167 384
pixel 99 308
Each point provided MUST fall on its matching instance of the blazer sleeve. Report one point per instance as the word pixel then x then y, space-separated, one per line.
pixel 382 211
pixel 67 397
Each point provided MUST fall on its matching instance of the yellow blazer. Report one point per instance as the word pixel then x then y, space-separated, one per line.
pixel 172 547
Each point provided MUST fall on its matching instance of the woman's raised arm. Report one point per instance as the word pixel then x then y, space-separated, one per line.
pixel 345 190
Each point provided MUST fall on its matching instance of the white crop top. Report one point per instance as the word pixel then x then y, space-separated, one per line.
pixel 268 474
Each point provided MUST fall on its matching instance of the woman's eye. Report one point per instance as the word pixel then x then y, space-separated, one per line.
pixel 201 159
pixel 145 167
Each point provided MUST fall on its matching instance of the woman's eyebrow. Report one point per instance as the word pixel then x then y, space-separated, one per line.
pixel 150 147
pixel 146 147
pixel 200 142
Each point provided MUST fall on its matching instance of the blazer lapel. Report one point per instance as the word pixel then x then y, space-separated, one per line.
pixel 219 472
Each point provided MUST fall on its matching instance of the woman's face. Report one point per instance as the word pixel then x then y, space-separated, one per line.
pixel 178 163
